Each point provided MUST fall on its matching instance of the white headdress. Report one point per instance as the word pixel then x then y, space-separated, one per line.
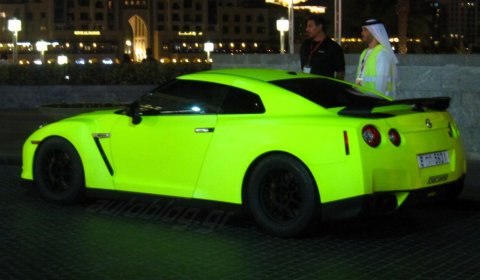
pixel 380 33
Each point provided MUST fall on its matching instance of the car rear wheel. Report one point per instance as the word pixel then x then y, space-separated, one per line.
pixel 282 196
pixel 58 171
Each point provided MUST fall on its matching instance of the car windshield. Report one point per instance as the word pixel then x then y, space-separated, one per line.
pixel 329 93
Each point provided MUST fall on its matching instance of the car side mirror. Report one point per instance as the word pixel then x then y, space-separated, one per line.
pixel 135 113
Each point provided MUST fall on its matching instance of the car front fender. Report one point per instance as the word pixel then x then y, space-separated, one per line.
pixel 80 133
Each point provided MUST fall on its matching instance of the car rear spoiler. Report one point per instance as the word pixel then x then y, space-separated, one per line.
pixel 418 104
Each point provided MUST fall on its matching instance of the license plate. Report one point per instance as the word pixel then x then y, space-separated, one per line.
pixel 433 159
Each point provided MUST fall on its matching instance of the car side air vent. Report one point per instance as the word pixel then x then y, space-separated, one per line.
pixel 292 73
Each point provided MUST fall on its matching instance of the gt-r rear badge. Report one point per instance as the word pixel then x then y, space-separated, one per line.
pixel 438 179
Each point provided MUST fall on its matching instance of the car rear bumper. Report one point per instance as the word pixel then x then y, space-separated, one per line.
pixel 387 202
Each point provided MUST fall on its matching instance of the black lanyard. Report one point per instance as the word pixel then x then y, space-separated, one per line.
pixel 313 49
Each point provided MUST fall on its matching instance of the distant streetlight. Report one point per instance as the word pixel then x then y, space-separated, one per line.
pixel 42 46
pixel 15 25
pixel 289 4
pixel 128 45
pixel 282 26
pixel 208 47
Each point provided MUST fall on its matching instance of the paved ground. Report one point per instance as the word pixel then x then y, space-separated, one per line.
pixel 175 239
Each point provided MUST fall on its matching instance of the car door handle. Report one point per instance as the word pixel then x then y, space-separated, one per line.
pixel 204 129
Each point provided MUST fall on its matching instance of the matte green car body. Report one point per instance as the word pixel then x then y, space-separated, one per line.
pixel 166 155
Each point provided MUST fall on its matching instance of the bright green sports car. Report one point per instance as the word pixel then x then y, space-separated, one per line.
pixel 292 148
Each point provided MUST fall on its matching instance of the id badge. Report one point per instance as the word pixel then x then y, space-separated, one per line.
pixel 307 69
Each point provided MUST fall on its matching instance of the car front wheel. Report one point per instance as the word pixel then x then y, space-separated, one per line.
pixel 58 171
pixel 282 196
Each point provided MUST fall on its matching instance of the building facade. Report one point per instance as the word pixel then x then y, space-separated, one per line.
pixel 171 29
pixel 464 24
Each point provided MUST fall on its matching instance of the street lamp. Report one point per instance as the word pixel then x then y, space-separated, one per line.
pixel 289 4
pixel 15 25
pixel 338 21
pixel 128 45
pixel 42 46
pixel 282 26
pixel 208 47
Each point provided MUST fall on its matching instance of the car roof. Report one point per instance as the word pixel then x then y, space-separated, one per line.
pixel 261 74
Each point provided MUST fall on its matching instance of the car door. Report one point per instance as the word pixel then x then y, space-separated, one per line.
pixel 164 153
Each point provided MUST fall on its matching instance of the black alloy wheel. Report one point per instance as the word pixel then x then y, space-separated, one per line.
pixel 282 196
pixel 58 171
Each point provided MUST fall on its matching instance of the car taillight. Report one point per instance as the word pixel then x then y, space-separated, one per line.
pixel 394 137
pixel 371 135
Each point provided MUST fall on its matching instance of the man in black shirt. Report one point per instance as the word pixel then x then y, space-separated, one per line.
pixel 319 54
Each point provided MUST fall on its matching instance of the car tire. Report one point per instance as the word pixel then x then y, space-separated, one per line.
pixel 58 172
pixel 282 196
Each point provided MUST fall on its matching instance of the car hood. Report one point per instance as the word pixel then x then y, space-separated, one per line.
pixel 101 120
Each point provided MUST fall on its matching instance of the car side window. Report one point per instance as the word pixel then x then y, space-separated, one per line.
pixel 327 93
pixel 240 101
pixel 184 97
